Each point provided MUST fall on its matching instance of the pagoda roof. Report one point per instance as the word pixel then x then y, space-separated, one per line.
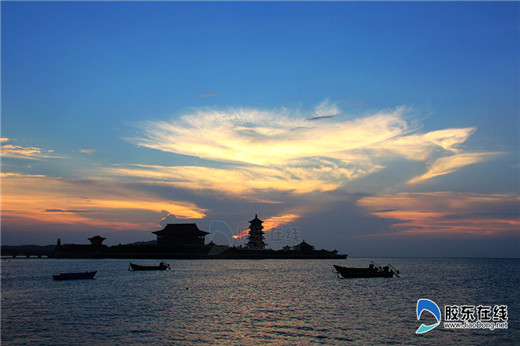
pixel 97 237
pixel 181 228
pixel 256 219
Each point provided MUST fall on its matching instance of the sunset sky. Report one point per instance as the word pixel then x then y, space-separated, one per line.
pixel 377 129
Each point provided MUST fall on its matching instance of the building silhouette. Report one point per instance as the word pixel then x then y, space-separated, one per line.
pixel 96 241
pixel 256 234
pixel 183 241
pixel 180 235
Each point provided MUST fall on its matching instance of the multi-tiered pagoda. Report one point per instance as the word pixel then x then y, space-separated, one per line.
pixel 256 235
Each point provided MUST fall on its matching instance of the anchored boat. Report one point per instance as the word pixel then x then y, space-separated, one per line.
pixel 372 271
pixel 74 276
pixel 161 266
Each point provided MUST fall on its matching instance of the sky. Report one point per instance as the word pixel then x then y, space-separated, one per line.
pixel 377 129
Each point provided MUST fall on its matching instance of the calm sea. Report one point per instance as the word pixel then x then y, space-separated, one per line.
pixel 243 302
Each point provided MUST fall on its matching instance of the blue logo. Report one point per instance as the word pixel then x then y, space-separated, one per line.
pixel 428 305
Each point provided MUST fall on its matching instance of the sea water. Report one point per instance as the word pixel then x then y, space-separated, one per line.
pixel 249 302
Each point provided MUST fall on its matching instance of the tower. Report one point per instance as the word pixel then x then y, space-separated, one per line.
pixel 256 235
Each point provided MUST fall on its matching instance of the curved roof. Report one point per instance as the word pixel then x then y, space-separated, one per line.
pixel 256 220
pixel 181 228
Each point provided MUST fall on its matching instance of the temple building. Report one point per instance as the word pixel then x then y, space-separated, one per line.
pixel 256 235
pixel 176 235
pixel 96 241
pixel 304 247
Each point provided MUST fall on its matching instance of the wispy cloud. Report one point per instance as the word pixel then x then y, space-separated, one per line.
pixel 447 212
pixel 31 153
pixel 450 164
pixel 236 180
pixel 208 95
pixel 283 150
pixel 109 205
pixel 88 151
pixel 325 110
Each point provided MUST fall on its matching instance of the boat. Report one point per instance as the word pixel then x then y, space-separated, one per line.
pixel 161 266
pixel 372 271
pixel 74 276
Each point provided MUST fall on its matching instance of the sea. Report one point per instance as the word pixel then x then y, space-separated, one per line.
pixel 253 302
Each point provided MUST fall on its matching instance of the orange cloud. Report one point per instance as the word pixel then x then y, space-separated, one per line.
pixel 272 223
pixel 447 212
pixel 94 203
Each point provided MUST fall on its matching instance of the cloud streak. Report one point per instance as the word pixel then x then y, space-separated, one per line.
pixel 450 164
pixel 108 204
pixel 272 223
pixel 447 212
pixel 20 152
pixel 88 151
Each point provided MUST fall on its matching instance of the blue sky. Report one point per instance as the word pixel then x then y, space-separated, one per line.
pixel 206 107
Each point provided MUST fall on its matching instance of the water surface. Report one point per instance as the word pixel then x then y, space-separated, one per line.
pixel 249 302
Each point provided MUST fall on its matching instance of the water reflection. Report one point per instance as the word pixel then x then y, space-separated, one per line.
pixel 246 302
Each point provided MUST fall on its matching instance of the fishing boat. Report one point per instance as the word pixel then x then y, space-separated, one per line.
pixel 372 271
pixel 74 276
pixel 161 266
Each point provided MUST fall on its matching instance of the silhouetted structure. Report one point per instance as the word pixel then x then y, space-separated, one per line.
pixel 256 235
pixel 186 241
pixel 304 247
pixel 180 235
pixel 96 241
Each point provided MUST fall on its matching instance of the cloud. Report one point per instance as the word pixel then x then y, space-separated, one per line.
pixel 208 95
pixel 20 152
pixel 272 223
pixel 109 205
pixel 88 151
pixel 325 110
pixel 283 150
pixel 447 212
pixel 237 181
pixel 4 139
pixel 65 211
pixel 450 164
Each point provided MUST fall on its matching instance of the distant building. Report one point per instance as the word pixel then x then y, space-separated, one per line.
pixel 95 248
pixel 256 235
pixel 177 235
pixel 97 241
pixel 304 247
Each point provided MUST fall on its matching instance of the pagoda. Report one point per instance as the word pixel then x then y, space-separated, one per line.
pixel 256 235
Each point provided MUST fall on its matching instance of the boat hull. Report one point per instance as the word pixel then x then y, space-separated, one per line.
pixel 349 272
pixel 143 268
pixel 74 276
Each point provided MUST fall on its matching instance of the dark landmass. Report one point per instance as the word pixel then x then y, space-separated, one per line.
pixel 176 241
pixel 150 250
pixel 27 250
